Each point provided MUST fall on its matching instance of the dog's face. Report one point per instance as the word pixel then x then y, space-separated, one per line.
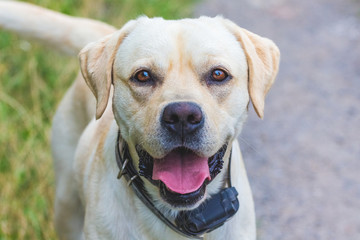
pixel 181 91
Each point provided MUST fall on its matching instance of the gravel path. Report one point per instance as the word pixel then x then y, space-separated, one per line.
pixel 303 160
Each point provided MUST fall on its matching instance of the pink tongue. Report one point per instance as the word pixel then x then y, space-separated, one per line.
pixel 181 172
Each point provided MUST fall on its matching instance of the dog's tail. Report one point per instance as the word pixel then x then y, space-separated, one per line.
pixel 62 32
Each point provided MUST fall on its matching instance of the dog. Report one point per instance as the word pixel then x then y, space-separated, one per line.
pixel 170 96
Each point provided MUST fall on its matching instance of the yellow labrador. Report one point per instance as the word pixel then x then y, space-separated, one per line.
pixel 170 100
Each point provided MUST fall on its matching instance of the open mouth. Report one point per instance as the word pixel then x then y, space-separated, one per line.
pixel 181 175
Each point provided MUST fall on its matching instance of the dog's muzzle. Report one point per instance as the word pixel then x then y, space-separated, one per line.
pixel 182 174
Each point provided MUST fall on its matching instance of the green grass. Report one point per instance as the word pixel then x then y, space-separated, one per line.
pixel 33 80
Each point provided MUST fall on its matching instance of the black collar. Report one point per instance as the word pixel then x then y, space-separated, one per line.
pixel 127 169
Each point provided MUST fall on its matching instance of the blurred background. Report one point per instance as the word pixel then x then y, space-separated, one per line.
pixel 303 160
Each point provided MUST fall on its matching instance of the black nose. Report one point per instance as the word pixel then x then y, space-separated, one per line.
pixel 182 118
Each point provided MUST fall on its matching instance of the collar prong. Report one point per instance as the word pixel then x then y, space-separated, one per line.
pixel 121 172
pixel 132 179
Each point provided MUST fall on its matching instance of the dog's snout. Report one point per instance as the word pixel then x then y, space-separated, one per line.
pixel 182 118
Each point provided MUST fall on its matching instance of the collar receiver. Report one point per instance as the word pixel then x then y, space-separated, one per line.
pixel 211 214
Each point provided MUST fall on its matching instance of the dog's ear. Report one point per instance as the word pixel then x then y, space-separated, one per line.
pixel 96 62
pixel 263 58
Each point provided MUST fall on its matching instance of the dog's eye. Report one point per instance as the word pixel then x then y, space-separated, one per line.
pixel 219 75
pixel 142 76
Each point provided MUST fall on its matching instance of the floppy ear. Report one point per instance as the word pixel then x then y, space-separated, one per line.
pixel 263 58
pixel 96 62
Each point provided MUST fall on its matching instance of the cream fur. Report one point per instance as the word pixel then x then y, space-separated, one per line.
pixel 90 202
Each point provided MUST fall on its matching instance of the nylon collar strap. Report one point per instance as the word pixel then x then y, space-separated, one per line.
pixel 127 169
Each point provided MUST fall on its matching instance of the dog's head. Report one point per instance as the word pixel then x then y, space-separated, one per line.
pixel 181 91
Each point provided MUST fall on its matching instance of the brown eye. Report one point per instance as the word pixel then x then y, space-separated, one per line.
pixel 143 76
pixel 219 75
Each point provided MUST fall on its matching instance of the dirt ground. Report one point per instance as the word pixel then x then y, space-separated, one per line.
pixel 303 160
